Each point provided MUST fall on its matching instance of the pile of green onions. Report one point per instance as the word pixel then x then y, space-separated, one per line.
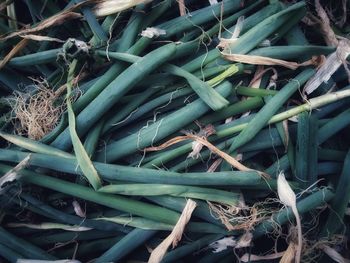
pixel 138 88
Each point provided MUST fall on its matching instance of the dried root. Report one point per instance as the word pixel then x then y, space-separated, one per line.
pixel 36 115
pixel 242 217
pixel 313 249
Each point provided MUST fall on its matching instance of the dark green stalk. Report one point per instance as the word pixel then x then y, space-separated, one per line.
pixel 281 164
pixel 291 52
pixel 198 17
pixel 312 173
pixel 9 254
pixel 333 126
pixel 302 150
pixel 141 175
pixel 110 95
pixel 339 203
pixel 160 129
pixel 62 237
pixel 43 57
pixel 126 245
pixel 127 110
pixel 117 202
pixel 312 104
pixel 45 210
pixel 331 155
pixel 253 92
pixel 186 250
pixel 95 27
pixel 87 249
pixel 208 194
pixel 27 249
pixel 252 38
pixel 263 116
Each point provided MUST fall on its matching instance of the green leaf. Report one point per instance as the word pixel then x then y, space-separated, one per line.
pixel 83 159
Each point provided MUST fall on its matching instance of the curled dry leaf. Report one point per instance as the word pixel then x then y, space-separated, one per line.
pixel 55 20
pixel 260 60
pixel 288 198
pixel 42 38
pixel 175 235
pixel 17 48
pixel 182 7
pixel 330 65
pixel 13 175
pixel 225 43
pixel 256 80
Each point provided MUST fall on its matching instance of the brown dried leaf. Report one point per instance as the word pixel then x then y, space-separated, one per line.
pixel 54 20
pixel 256 80
pixel 17 48
pixel 325 26
pixel 182 7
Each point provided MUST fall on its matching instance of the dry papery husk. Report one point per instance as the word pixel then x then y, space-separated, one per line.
pixel 38 114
